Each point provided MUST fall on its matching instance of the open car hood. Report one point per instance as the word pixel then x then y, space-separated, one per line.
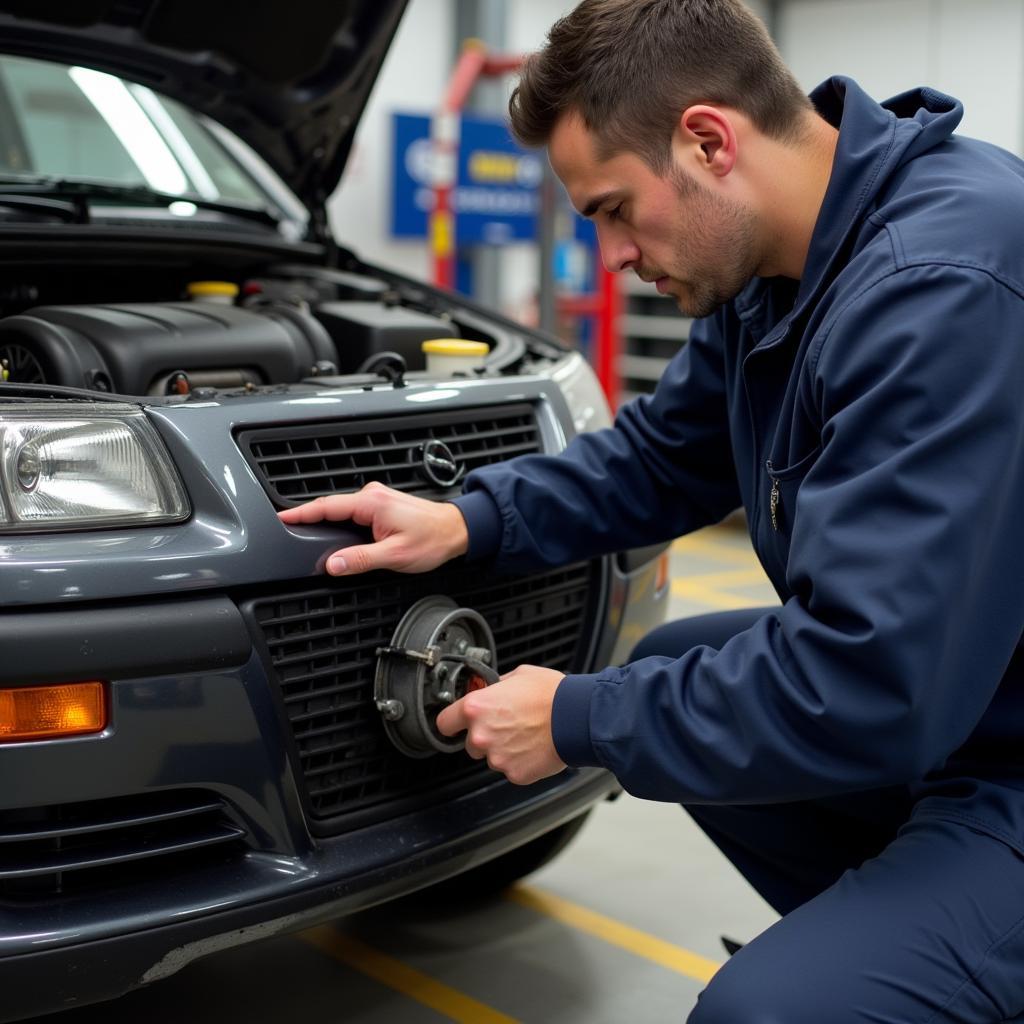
pixel 289 77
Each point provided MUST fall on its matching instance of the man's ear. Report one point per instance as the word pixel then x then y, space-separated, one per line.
pixel 705 140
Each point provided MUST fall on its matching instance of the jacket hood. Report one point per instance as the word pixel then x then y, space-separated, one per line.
pixel 931 116
pixel 290 79
pixel 875 140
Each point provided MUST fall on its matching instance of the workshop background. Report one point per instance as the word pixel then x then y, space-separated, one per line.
pixel 624 925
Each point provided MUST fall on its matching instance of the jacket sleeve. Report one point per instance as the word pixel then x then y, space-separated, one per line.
pixel 665 468
pixel 906 567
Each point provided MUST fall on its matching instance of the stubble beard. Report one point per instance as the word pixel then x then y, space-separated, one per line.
pixel 722 240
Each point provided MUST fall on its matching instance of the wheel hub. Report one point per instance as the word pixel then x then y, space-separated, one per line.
pixel 439 653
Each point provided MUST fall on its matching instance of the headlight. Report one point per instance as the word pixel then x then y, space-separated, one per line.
pixel 582 392
pixel 89 465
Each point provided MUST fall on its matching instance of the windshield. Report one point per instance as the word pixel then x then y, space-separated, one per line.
pixel 76 123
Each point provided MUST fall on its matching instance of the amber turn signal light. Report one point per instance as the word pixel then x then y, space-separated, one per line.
pixel 661 580
pixel 52 712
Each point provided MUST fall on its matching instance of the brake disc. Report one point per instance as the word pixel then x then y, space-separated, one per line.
pixel 439 653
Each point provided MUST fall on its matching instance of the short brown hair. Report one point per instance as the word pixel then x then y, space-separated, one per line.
pixel 629 68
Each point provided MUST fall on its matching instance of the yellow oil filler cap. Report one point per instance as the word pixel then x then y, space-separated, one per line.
pixel 446 356
pixel 223 292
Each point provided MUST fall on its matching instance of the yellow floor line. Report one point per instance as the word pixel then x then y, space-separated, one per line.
pixel 730 577
pixel 675 958
pixel 691 591
pixel 694 544
pixel 402 978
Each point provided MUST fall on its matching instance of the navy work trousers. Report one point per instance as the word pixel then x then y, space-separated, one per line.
pixel 887 918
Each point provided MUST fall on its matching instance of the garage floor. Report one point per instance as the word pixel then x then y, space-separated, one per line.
pixel 623 926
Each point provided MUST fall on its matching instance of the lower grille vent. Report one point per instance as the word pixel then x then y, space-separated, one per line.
pixel 71 847
pixel 321 645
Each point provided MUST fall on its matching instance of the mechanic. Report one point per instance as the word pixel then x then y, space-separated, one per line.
pixel 856 383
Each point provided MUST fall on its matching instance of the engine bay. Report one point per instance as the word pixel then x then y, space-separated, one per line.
pixel 145 334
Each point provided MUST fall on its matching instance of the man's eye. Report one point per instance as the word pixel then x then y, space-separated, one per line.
pixel 614 213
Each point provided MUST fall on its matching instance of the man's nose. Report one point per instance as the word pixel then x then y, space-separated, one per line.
pixel 618 251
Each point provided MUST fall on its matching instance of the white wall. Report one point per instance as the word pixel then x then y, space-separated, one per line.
pixel 970 49
pixel 531 19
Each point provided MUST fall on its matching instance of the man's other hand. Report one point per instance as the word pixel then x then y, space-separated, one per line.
pixel 509 724
pixel 409 534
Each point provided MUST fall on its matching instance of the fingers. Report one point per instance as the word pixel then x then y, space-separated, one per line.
pixel 384 554
pixel 333 508
pixel 502 726
pixel 411 534
pixel 475 752
pixel 359 507
pixel 453 719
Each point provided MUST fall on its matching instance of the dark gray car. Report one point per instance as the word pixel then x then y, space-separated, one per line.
pixel 203 739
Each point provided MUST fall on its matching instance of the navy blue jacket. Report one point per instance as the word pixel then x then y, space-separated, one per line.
pixel 882 397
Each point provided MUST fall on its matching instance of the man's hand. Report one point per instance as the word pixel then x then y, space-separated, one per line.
pixel 509 723
pixel 410 534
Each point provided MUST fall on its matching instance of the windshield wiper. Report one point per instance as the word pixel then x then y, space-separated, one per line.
pixel 20 191
pixel 42 206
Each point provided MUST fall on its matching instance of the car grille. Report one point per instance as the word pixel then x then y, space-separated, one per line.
pixel 295 464
pixel 76 846
pixel 321 644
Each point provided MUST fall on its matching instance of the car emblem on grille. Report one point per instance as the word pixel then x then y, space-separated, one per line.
pixel 438 463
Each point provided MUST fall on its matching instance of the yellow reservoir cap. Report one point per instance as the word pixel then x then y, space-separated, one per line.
pixel 225 288
pixel 454 347
pixel 51 712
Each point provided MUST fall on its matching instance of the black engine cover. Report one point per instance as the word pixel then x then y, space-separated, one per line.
pixel 133 349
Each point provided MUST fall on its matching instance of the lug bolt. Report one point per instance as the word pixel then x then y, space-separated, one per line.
pixel 392 710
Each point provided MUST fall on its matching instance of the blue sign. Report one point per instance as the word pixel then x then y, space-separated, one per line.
pixel 497 190
pixel 411 197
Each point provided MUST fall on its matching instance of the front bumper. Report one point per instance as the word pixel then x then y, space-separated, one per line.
pixel 94 952
pixel 197 712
